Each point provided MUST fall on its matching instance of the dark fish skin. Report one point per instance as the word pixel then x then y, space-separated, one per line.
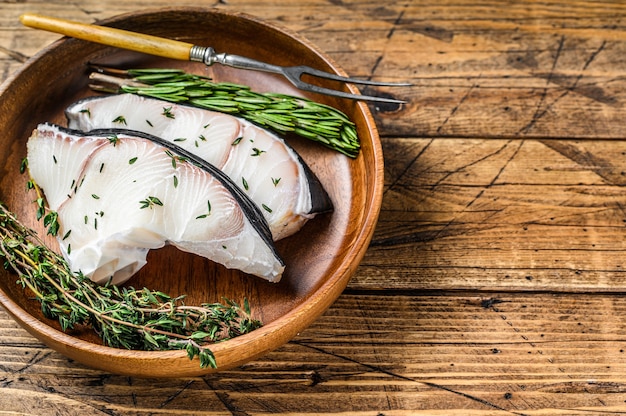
pixel 250 209
pixel 320 200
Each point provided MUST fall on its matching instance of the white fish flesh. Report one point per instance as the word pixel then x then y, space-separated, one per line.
pixel 270 172
pixel 118 196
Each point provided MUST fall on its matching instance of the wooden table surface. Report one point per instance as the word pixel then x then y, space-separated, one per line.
pixel 495 281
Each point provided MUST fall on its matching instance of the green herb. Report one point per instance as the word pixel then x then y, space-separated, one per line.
pixel 236 141
pixel 123 317
pixel 207 214
pixel 244 182
pixel 86 111
pixel 175 158
pixel 50 218
pixel 257 152
pixel 150 202
pixel 281 113
pixel 113 139
pixel 41 208
pixel 167 112
pixel 275 181
pixel 51 221
pixel 120 119
pixel 132 160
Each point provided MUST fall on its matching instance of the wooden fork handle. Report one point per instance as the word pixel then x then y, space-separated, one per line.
pixel 123 39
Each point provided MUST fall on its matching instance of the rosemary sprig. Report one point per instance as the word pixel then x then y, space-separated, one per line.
pixel 280 113
pixel 123 317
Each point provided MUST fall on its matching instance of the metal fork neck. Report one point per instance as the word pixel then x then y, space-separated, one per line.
pixel 208 56
pixel 202 54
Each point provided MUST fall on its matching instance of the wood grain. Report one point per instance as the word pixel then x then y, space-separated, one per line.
pixel 443 353
pixel 495 281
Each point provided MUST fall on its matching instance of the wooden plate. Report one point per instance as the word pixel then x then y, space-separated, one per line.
pixel 319 259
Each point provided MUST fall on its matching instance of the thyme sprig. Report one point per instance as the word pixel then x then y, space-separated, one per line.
pixel 280 113
pixel 123 317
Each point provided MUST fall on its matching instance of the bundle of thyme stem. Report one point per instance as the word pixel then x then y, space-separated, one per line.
pixel 280 113
pixel 122 317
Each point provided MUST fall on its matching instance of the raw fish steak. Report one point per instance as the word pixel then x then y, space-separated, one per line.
pixel 270 172
pixel 118 196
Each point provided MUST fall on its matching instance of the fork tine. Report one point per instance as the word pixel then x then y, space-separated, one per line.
pixel 327 91
pixel 327 75
pixel 293 74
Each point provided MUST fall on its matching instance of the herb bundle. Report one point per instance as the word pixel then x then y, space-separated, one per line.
pixel 122 317
pixel 280 113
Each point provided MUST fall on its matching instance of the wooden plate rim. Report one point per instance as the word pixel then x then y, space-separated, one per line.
pixel 268 337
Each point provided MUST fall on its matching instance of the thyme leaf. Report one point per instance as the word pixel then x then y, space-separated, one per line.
pixel 113 139
pixel 120 120
pixel 24 165
pixel 150 202
pixel 167 112
pixel 51 221
pixel 208 211
pixel 123 317
pixel 256 151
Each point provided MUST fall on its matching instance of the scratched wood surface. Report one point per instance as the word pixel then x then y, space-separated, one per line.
pixel 494 283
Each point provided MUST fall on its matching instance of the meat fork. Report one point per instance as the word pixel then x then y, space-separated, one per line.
pixel 174 49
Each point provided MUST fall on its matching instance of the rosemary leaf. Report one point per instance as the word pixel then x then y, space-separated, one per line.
pixel 282 113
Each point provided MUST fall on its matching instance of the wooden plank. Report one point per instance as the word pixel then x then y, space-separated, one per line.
pixel 472 69
pixel 494 282
pixel 433 353
pixel 500 214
